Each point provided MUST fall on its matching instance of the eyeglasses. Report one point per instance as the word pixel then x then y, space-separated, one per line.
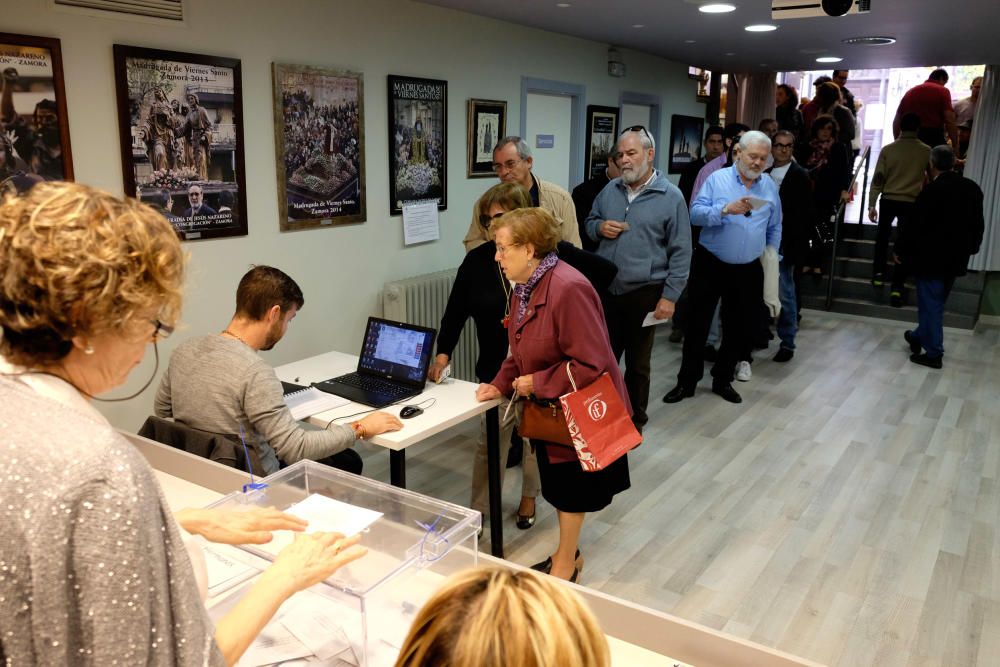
pixel 508 165
pixel 637 128
pixel 783 147
pixel 162 330
pixel 502 250
pixel 485 219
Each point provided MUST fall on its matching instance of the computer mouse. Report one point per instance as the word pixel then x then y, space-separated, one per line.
pixel 410 411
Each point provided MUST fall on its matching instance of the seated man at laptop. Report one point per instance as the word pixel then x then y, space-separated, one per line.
pixel 219 383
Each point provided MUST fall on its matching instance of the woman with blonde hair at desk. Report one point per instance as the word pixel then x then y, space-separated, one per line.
pixel 556 318
pixel 94 568
pixel 496 617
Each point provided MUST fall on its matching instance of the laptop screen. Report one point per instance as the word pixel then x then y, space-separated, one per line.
pixel 396 350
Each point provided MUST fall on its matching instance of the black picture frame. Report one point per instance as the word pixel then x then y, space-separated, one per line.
pixel 36 142
pixel 180 119
pixel 321 174
pixel 602 135
pixel 487 124
pixel 685 141
pixel 418 136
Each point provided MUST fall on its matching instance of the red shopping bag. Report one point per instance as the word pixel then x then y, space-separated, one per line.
pixel 598 423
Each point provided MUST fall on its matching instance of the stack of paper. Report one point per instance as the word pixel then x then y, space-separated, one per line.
pixel 309 401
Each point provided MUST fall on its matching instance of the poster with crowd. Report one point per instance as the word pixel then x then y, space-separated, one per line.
pixel 319 138
pixel 34 128
pixel 417 147
pixel 180 117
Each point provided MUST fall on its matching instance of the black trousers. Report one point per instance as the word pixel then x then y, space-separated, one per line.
pixel 890 210
pixel 740 287
pixel 624 314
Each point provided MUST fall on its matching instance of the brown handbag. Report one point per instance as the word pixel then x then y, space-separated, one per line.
pixel 544 420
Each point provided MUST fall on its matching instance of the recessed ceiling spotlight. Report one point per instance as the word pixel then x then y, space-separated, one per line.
pixel 828 59
pixel 638 25
pixel 761 27
pixel 563 5
pixel 717 8
pixel 730 54
pixel 870 41
pixel 689 41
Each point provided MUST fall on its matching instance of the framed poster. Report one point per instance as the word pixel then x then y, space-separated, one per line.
pixel 602 135
pixel 418 125
pixel 320 144
pixel 685 141
pixel 180 116
pixel 34 127
pixel 487 125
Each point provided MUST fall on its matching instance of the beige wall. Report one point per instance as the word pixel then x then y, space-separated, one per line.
pixel 341 270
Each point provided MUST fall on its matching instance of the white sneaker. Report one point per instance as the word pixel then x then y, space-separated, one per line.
pixel 743 372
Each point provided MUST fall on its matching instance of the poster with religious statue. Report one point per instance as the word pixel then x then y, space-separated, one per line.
pixel 319 122
pixel 487 125
pixel 180 117
pixel 417 141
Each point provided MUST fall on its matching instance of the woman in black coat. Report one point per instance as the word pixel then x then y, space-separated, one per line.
pixel 827 161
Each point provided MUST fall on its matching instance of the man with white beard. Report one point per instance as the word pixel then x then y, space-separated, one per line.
pixel 739 213
pixel 640 222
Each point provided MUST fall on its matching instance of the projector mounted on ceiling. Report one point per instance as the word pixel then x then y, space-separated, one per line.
pixel 804 9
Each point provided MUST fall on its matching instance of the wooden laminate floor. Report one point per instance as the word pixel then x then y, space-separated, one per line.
pixel 846 512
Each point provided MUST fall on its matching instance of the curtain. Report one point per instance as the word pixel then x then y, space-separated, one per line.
pixel 753 98
pixel 983 167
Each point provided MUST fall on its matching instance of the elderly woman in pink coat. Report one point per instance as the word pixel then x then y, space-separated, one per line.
pixel 556 317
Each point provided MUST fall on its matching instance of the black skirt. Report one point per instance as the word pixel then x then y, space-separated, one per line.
pixel 568 488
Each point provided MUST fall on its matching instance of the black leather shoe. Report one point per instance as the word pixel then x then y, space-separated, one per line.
pixel 784 354
pixel 525 521
pixel 913 342
pixel 678 394
pixel 545 566
pixel 924 360
pixel 896 299
pixel 726 391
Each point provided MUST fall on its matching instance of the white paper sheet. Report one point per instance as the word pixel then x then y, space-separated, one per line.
pixel 225 567
pixel 324 515
pixel 420 222
pixel 309 401
pixel 756 202
pixel 650 321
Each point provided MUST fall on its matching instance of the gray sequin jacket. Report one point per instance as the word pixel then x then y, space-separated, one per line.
pixel 93 570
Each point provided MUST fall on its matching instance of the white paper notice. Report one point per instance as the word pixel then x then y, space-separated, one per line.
pixel 325 515
pixel 758 203
pixel 651 321
pixel 420 222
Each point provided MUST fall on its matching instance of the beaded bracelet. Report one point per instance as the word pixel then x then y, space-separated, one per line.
pixel 359 430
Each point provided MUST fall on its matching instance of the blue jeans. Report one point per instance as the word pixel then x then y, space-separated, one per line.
pixel 931 295
pixel 788 319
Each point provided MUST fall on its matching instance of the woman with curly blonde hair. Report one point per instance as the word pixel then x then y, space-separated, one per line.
pixel 497 617
pixel 95 570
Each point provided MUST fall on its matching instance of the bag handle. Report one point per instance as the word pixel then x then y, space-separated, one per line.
pixel 568 373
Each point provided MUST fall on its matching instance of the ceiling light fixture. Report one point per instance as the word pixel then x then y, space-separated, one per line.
pixel 717 8
pixel 870 41
pixel 563 5
pixel 829 59
pixel 638 25
pixel 760 27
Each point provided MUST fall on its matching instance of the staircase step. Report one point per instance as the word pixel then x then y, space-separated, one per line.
pixel 963 303
pixel 852 230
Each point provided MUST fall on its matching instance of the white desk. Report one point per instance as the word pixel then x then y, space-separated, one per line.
pixel 637 635
pixel 456 402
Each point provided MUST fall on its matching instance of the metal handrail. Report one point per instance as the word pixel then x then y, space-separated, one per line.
pixel 839 216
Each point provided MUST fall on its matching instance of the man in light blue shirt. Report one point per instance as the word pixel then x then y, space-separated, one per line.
pixel 739 211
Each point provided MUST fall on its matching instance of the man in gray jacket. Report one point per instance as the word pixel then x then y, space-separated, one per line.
pixel 641 223
pixel 218 383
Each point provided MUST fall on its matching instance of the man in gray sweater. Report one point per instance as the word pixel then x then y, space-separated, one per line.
pixel 218 383
pixel 641 223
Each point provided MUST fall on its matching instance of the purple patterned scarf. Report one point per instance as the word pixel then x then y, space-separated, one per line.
pixel 523 291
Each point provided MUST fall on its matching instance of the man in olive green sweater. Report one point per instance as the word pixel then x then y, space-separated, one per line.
pixel 899 177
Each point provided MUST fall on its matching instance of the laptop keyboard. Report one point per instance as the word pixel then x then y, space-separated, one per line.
pixel 374 384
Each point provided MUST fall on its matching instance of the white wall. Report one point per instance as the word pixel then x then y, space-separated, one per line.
pixel 341 270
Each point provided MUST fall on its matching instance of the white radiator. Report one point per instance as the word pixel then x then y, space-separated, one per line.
pixel 421 300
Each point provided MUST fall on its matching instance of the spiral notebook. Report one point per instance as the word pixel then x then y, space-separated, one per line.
pixel 305 402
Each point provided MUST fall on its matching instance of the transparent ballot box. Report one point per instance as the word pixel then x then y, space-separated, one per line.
pixel 361 614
